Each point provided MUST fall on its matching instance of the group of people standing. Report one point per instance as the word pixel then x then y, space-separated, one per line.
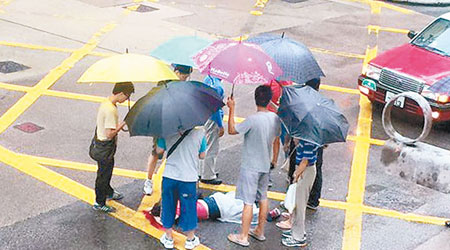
pixel 262 133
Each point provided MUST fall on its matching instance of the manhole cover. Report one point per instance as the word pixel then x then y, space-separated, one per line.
pixel 394 199
pixel 28 127
pixel 10 67
pixel 141 8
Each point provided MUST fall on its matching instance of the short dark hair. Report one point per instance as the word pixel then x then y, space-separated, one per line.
pixel 313 83
pixel 123 87
pixel 183 69
pixel 263 95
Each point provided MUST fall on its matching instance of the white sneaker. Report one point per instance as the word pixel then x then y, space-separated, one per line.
pixel 167 243
pixel 148 187
pixel 191 244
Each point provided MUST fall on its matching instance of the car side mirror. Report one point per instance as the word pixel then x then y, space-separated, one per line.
pixel 412 34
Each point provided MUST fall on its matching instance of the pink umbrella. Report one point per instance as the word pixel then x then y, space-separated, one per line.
pixel 237 62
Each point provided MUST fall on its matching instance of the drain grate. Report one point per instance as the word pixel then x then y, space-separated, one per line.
pixel 10 67
pixel 28 127
pixel 141 8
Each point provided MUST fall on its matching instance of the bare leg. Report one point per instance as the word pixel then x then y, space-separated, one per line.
pixel 190 234
pixel 152 160
pixel 263 209
pixel 247 214
pixel 169 233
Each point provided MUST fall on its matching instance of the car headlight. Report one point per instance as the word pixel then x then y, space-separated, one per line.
pixel 373 72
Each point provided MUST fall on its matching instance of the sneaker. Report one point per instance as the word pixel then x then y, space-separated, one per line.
pixel 270 183
pixel 286 233
pixel 148 187
pixel 104 208
pixel 115 196
pixel 212 182
pixel 191 244
pixel 311 206
pixel 291 242
pixel 166 242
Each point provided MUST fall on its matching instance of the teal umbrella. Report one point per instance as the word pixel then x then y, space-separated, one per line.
pixel 179 50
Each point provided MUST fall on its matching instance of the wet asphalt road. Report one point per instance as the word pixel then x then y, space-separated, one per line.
pixel 37 216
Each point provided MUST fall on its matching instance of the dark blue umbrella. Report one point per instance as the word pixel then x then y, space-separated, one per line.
pixel 294 58
pixel 310 116
pixel 171 108
pixel 442 86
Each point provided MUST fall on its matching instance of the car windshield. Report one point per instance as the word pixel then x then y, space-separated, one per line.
pixel 435 37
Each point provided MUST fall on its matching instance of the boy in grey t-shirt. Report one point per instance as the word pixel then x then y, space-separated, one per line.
pixel 260 130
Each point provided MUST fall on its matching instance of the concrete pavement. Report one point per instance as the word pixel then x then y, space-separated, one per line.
pixel 43 208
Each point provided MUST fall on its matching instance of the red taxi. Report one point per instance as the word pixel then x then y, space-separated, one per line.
pixel 414 66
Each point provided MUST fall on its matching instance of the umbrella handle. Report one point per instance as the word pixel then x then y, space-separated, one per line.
pixel 232 91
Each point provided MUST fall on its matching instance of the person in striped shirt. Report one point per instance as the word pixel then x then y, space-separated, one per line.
pixel 304 175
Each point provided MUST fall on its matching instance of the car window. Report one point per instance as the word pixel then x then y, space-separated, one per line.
pixel 435 37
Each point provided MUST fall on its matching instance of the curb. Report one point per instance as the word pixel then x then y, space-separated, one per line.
pixel 430 3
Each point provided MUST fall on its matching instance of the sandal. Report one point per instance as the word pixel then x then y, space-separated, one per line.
pixel 257 237
pixel 235 239
pixel 284 225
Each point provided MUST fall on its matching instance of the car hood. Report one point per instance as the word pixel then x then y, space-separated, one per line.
pixel 415 61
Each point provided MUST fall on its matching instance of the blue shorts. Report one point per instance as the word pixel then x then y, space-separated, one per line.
pixel 186 193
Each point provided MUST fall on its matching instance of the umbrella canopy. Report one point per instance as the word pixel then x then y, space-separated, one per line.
pixel 310 116
pixel 442 86
pixel 172 108
pixel 128 68
pixel 179 50
pixel 237 62
pixel 294 58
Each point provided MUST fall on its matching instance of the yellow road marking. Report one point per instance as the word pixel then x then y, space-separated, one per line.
pixel 149 201
pixel 337 53
pixel 363 139
pixel 50 48
pixel 371 53
pixel 84 166
pixel 3 3
pixel 357 182
pixel 26 101
pixel 376 29
pixel 378 4
pixel 14 87
pixel 339 89
pixel 28 166
pixel 405 216
pixel 101 54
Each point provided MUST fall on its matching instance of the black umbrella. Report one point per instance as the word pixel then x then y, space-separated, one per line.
pixel 310 116
pixel 172 108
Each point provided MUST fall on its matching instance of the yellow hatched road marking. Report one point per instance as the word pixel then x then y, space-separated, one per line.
pixel 376 29
pixel 339 89
pixel 378 4
pixel 51 48
pixel 28 166
pixel 357 182
pixel 337 53
pixel 26 101
pixel 149 201
pixel 102 54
